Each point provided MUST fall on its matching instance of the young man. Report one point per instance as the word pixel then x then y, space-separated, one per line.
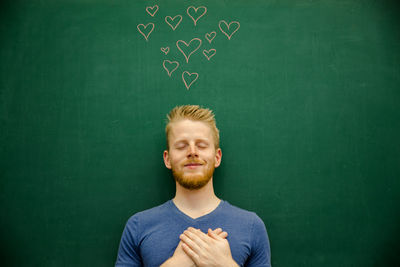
pixel 195 228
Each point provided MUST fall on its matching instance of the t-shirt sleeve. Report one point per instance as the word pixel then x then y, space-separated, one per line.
pixel 260 255
pixel 128 252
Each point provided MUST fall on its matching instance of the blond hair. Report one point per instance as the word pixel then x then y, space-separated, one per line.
pixel 194 113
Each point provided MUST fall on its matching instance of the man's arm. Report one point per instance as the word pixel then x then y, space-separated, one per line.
pixel 181 258
pixel 207 249
pixel 128 252
pixel 260 249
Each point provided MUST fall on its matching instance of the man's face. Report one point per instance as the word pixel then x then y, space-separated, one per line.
pixel 192 155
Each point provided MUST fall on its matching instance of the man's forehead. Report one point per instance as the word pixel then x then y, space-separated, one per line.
pixel 189 127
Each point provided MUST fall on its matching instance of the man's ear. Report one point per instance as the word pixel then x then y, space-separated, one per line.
pixel 166 159
pixel 218 157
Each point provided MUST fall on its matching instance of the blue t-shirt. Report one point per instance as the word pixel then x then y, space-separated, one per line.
pixel 150 237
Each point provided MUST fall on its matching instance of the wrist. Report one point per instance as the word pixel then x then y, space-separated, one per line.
pixel 233 263
pixel 178 260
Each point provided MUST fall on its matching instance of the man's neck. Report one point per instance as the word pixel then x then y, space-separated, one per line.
pixel 196 203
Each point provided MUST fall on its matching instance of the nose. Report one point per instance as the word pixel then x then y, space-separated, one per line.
pixel 192 151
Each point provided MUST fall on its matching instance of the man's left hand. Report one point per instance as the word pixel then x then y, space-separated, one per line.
pixel 207 249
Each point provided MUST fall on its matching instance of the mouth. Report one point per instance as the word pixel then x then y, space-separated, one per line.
pixel 193 165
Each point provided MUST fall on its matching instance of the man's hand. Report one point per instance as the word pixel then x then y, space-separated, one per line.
pixel 207 249
pixel 180 258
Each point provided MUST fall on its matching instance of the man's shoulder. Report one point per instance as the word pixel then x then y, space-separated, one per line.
pixel 239 213
pixel 150 214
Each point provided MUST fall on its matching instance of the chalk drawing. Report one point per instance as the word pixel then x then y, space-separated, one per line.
pixel 173 22
pixel 210 53
pixel 228 29
pixel 170 66
pixel 210 36
pixel 196 13
pixel 189 78
pixel 152 10
pixel 188 49
pixel 165 50
pixel 145 30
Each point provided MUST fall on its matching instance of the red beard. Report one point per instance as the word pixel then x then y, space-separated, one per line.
pixel 193 181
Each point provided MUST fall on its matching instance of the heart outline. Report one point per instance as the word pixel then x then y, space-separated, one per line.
pixel 152 8
pixel 169 17
pixel 165 50
pixel 228 25
pixel 195 10
pixel 145 26
pixel 190 74
pixel 212 35
pixel 187 45
pixel 170 62
pixel 206 53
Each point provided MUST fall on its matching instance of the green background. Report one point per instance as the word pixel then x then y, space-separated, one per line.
pixel 306 96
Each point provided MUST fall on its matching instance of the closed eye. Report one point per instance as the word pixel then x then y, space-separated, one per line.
pixel 180 145
pixel 202 145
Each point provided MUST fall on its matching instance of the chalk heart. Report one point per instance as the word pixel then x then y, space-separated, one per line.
pixel 210 53
pixel 189 78
pixel 170 66
pixel 152 10
pixel 210 36
pixel 173 22
pixel 187 49
pixel 229 29
pixel 145 30
pixel 195 13
pixel 165 50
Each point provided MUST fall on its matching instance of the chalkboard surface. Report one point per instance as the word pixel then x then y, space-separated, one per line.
pixel 306 96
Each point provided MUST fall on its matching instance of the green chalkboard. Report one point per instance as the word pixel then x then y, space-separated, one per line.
pixel 306 96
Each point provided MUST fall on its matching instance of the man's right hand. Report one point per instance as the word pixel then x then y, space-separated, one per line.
pixel 180 258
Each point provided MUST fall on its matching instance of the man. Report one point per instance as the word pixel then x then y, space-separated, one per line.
pixel 195 228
